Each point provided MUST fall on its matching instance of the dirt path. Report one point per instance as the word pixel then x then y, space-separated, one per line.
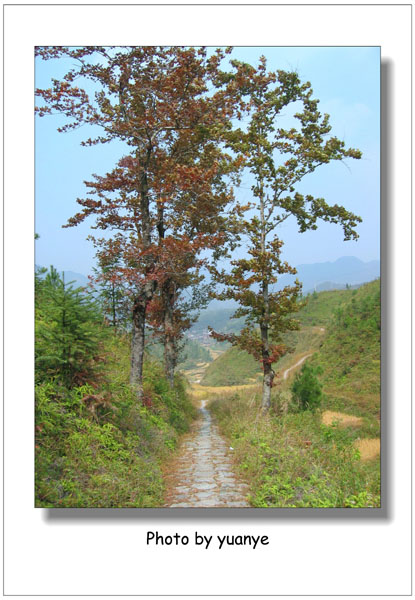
pixel 202 475
pixel 297 364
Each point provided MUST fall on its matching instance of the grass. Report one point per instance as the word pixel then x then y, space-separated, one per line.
pixel 350 355
pixel 202 392
pixel 320 306
pixel 234 367
pixel 326 458
pixel 111 457
pixel 295 460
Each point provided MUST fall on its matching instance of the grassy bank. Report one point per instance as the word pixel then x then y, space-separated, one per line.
pixel 295 460
pixel 323 458
pixel 96 445
pixel 100 447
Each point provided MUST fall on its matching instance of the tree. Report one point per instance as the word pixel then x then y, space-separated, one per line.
pixel 112 297
pixel 306 389
pixel 69 332
pixel 278 159
pixel 169 322
pixel 173 106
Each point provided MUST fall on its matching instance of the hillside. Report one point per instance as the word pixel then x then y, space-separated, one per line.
pixel 191 354
pixel 323 457
pixel 237 367
pixel 350 353
pixel 95 445
pixel 234 367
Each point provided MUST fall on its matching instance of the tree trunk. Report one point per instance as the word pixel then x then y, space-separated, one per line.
pixel 267 386
pixel 146 293
pixel 114 317
pixel 267 366
pixel 137 347
pixel 170 357
pixel 268 371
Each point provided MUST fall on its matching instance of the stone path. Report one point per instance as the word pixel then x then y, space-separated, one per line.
pixel 202 475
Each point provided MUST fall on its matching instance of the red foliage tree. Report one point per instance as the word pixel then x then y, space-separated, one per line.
pixel 173 106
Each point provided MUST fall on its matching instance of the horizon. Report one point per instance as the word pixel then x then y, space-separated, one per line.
pixel 70 270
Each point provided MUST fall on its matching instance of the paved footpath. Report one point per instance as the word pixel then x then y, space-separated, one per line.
pixel 202 475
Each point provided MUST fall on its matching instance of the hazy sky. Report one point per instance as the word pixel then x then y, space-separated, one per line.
pixel 347 82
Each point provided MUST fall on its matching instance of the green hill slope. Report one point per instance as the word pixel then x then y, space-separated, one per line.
pixel 237 367
pixel 190 356
pixel 320 306
pixel 234 367
pixel 326 458
pixel 350 353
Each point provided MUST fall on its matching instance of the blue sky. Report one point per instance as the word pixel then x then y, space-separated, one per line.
pixel 345 79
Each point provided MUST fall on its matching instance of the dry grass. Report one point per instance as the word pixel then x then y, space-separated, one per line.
pixel 329 417
pixel 368 449
pixel 204 391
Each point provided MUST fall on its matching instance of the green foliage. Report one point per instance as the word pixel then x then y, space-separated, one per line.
pixel 114 302
pixel 69 332
pixel 95 445
pixel 350 354
pixel 113 459
pixel 292 460
pixel 306 389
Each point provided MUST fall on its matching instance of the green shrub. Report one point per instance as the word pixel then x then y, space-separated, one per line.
pixel 293 460
pixel 69 332
pixel 306 389
pixel 110 458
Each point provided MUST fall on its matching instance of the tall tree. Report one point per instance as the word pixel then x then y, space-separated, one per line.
pixel 174 310
pixel 278 160
pixel 172 106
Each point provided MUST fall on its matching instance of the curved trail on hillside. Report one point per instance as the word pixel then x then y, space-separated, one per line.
pixel 297 364
pixel 202 475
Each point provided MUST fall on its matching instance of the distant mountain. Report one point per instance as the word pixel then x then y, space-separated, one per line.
pixel 321 277
pixel 334 275
pixel 78 279
pixel 316 276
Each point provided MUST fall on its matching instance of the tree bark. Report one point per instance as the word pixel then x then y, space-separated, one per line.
pixel 269 372
pixel 137 346
pixel 170 358
pixel 146 293
pixel 264 327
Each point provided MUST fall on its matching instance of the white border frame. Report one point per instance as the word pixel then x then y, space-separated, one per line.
pixel 101 556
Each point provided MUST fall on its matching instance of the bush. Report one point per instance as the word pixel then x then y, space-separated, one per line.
pixel 306 389
pixel 69 332
pixel 110 457
pixel 111 460
pixel 293 460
